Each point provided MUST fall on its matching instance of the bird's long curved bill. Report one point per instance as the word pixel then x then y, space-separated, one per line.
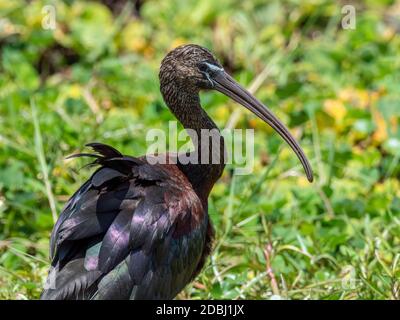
pixel 225 84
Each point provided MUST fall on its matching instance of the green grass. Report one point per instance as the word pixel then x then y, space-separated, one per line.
pixel 95 79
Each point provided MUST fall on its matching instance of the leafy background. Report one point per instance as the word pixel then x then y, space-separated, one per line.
pixel 94 78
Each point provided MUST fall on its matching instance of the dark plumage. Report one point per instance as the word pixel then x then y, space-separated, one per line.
pixel 137 230
pixel 133 230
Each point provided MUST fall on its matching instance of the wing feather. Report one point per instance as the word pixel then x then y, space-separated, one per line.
pixel 128 232
pixel 115 245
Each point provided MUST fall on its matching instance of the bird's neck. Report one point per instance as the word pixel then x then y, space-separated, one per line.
pixel 208 159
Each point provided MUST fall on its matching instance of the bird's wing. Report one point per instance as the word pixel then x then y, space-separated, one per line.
pixel 133 230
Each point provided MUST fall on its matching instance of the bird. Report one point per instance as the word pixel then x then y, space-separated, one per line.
pixel 140 230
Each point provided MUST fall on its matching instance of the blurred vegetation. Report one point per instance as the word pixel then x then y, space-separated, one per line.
pixel 95 78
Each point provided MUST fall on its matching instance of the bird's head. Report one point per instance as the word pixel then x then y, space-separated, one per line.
pixel 190 68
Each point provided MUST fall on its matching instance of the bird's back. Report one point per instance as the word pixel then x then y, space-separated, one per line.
pixel 132 231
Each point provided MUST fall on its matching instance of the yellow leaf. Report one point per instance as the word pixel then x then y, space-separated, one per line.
pixel 178 42
pixel 335 108
pixel 303 182
pixel 380 133
pixel 74 91
pixel 133 36
pixel 359 98
pixel 221 112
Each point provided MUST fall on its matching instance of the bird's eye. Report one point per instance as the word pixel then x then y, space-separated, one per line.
pixel 203 66
pixel 209 68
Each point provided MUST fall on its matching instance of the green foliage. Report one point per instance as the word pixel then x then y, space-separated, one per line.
pixel 94 78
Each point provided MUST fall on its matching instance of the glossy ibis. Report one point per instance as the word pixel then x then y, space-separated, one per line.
pixel 137 230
